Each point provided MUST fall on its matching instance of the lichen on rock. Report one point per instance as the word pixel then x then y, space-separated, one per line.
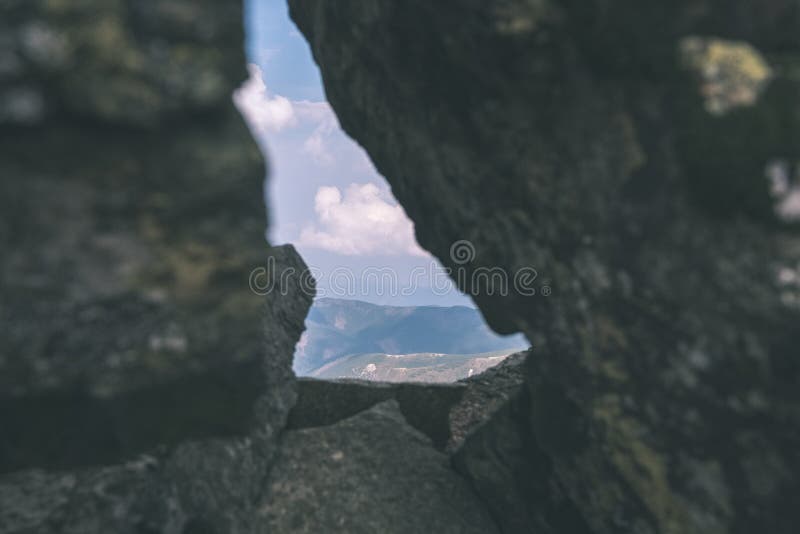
pixel 731 74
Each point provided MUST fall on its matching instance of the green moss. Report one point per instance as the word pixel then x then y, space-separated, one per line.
pixel 642 467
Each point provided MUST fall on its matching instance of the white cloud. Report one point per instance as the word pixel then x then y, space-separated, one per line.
pixel 362 221
pixel 326 126
pixel 266 112
pixel 305 136
pixel 262 110
pixel 316 112
pixel 317 145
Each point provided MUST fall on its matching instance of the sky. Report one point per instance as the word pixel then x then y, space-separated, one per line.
pixel 324 195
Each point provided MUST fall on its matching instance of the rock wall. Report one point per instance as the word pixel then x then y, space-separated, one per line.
pixel 641 157
pixel 144 387
pixel 638 155
pixel 130 218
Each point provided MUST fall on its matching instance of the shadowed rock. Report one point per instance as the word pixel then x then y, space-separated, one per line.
pixel 486 394
pixel 640 156
pixel 445 413
pixel 131 216
pixel 426 407
pixel 209 484
pixel 369 473
pixel 619 149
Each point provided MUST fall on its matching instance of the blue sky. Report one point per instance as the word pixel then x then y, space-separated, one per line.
pixel 324 193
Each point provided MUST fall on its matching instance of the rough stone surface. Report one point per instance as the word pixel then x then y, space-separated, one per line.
pixel 426 407
pixel 639 155
pixel 127 62
pixel 130 219
pixel 486 394
pixel 130 222
pixel 369 473
pixel 194 486
pixel 445 413
pixel 145 387
pixel 575 138
pixel 494 447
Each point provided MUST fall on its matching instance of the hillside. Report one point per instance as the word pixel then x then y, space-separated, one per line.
pixel 423 367
pixel 336 328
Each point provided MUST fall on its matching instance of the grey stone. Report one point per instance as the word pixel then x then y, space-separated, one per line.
pixel 22 105
pixel 369 473
pixel 445 413
pixel 486 394
pixel 426 407
pixel 127 319
pixel 574 139
pixel 614 153
pixel 209 484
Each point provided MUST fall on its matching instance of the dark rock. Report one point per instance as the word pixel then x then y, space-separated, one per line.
pixel 208 484
pixel 615 154
pixel 486 394
pixel 140 63
pixel 574 142
pixel 426 407
pixel 494 447
pixel 131 218
pixel 445 413
pixel 368 473
pixel 508 471
pixel 131 225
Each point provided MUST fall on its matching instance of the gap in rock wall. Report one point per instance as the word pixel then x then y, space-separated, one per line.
pixel 386 309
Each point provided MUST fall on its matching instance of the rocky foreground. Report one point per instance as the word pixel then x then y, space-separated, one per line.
pixel 640 155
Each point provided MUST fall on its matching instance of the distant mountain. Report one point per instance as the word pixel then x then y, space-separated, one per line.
pixel 426 367
pixel 337 328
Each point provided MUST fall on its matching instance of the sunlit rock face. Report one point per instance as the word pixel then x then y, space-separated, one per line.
pixel 624 150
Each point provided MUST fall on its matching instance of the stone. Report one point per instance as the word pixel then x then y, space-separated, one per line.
pixel 628 168
pixel 128 235
pixel 486 394
pixel 203 485
pixel 426 407
pixel 179 485
pixel 368 473
pixel 445 413
pixel 572 143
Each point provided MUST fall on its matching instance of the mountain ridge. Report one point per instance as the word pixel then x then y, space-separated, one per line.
pixel 338 328
pixel 419 367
